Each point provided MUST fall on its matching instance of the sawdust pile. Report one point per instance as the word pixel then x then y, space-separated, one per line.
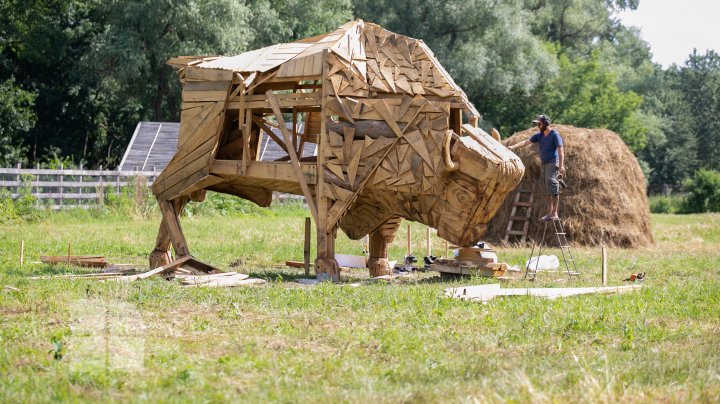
pixel 605 202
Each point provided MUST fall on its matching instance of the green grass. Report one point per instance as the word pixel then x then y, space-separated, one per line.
pixel 379 342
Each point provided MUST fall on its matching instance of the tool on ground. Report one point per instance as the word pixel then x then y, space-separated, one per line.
pixel 636 277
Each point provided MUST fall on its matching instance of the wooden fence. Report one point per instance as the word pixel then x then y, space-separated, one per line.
pixel 57 189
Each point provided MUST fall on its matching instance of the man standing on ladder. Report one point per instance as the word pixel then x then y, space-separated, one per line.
pixel 552 157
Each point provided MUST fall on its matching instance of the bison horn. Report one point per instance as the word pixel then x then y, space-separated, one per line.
pixel 449 164
pixel 495 134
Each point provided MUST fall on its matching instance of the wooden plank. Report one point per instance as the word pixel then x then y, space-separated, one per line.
pixel 183 165
pixel 382 108
pixel 261 123
pixel 348 137
pixel 278 171
pixel 201 86
pixel 184 183
pixel 193 185
pixel 336 169
pixel 199 73
pixel 195 136
pixel 244 115
pixel 322 201
pixel 353 167
pixel 293 157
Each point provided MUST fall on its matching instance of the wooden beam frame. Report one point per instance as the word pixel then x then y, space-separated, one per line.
pixel 262 124
pixel 293 156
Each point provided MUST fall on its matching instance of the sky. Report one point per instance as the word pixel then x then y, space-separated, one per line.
pixel 674 27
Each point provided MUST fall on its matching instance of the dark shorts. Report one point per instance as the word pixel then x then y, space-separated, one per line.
pixel 550 177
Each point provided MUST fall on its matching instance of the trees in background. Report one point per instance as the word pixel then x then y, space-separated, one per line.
pixel 77 75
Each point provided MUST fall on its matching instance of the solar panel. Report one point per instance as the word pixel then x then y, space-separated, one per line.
pixel 153 144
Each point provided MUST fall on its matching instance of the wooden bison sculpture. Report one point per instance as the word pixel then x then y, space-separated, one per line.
pixel 387 120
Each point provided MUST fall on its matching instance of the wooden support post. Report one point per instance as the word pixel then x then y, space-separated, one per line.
pixel 37 186
pixel 62 189
pixel 80 189
pixel 170 214
pixel 306 247
pixel 160 255
pixel 68 256
pixel 447 251
pixel 604 266
pixel 22 252
pixel 326 267
pixel 18 179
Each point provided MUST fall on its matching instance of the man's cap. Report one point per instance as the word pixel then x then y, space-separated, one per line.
pixel 542 118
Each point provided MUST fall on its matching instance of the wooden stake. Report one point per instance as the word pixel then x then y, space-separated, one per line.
pixel 447 255
pixel 604 266
pixel 68 259
pixel 408 240
pixel 22 252
pixel 306 248
pixel 429 242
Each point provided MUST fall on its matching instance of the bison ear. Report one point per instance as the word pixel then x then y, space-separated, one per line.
pixel 495 134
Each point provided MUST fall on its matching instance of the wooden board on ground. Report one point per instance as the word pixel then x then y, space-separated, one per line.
pixel 485 293
pixel 94 261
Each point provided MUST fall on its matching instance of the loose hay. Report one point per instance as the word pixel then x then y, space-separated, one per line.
pixel 605 202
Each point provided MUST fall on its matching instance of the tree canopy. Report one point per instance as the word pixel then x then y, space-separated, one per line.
pixel 77 75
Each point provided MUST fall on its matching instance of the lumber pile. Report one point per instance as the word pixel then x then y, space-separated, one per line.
pixel 471 261
pixel 182 270
pixel 388 121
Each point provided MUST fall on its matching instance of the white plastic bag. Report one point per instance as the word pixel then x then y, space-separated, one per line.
pixel 544 263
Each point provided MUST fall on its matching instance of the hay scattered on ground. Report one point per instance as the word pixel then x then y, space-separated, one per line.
pixel 605 202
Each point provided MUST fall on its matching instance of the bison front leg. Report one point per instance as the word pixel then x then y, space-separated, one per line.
pixel 169 229
pixel 326 266
pixel 380 239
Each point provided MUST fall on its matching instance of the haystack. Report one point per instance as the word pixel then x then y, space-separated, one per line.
pixel 605 202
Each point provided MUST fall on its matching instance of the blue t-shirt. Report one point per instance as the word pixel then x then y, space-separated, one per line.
pixel 548 145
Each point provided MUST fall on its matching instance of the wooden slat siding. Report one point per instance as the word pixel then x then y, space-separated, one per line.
pixel 187 128
pixel 191 184
pixel 197 148
pixel 193 161
pixel 193 133
pixel 178 164
pixel 165 187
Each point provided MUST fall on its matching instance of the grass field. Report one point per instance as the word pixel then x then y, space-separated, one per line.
pixel 154 340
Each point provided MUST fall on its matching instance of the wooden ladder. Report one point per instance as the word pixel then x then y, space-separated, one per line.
pixel 515 216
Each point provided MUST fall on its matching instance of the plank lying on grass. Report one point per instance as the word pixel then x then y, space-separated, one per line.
pixel 488 292
pixel 96 261
pixel 199 280
pixel 157 271
pixel 227 281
